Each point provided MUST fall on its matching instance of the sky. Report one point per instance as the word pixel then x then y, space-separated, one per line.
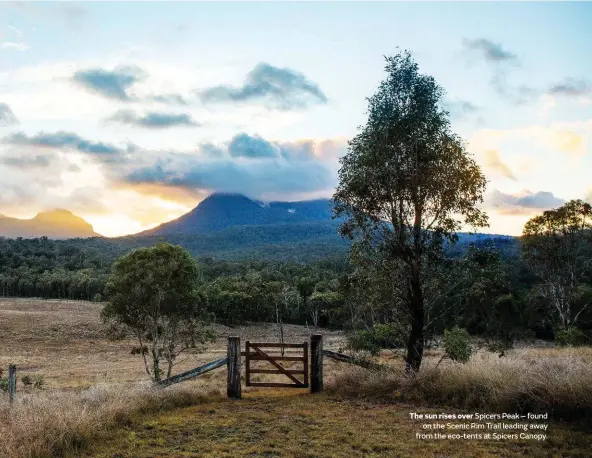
pixel 130 113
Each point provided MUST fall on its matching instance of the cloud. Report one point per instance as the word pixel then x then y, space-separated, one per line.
pixel 116 85
pixel 87 200
pixel 69 12
pixel 153 120
pixel 16 31
pixel 169 99
pixel 494 164
pixel 278 88
pixel 518 95
pixel 572 87
pixel 16 45
pixel 25 162
pixel 490 51
pixel 29 179
pixel 112 84
pixel 246 164
pixel 7 117
pixel 571 138
pixel 64 140
pixel 243 145
pixel 568 141
pixel 15 195
pixel 227 176
pixel 525 203
pixel 501 61
pixel 461 109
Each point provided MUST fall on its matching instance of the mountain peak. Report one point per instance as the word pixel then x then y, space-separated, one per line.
pixel 55 212
pixel 226 197
pixel 219 211
pixel 57 224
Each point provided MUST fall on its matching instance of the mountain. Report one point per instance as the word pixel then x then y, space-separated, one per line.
pixel 233 226
pixel 55 224
pixel 220 211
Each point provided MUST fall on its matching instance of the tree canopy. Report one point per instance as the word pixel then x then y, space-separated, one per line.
pixel 153 291
pixel 557 245
pixel 407 183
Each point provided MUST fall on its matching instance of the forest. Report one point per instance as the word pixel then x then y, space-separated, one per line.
pixel 487 287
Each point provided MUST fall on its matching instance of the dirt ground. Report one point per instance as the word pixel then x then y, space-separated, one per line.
pixel 66 342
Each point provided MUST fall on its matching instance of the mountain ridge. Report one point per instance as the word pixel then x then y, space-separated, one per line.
pixel 229 226
pixel 56 224
pixel 219 211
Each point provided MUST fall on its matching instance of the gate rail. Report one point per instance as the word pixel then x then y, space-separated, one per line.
pixel 254 352
pixel 193 373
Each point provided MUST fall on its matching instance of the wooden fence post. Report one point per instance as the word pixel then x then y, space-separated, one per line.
pixel 316 363
pixel 234 368
pixel 12 383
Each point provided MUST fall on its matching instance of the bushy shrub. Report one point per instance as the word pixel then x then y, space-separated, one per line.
pixel 3 384
pixel 114 330
pixel 374 339
pixel 39 382
pixel 27 380
pixel 139 350
pixel 457 344
pixel 571 337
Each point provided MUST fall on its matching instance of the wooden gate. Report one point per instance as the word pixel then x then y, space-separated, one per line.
pixel 254 352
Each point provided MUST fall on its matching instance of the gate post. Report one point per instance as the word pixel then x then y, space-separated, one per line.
pixel 12 383
pixel 233 389
pixel 316 363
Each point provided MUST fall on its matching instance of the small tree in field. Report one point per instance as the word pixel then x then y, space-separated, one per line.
pixel 406 184
pixel 152 291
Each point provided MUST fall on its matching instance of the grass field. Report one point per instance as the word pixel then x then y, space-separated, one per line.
pixel 65 341
pixel 97 402
pixel 279 424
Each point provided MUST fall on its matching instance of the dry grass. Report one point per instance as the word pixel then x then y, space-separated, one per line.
pixel 55 423
pixel 66 342
pixel 99 403
pixel 294 424
pixel 558 381
pixel 93 384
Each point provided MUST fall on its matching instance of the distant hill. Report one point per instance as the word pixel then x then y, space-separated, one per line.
pixel 233 226
pixel 220 211
pixel 229 226
pixel 56 224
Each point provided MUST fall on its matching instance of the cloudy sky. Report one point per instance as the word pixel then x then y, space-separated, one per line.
pixel 129 114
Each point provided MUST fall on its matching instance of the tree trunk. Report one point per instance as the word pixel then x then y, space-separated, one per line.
pixel 315 318
pixel 169 368
pixel 155 361
pixel 415 343
pixel 155 366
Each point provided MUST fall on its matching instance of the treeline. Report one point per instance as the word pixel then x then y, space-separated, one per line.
pixel 235 291
pixel 487 288
pixel 52 269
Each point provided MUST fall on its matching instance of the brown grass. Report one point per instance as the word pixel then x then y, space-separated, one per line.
pixel 294 424
pixel 99 403
pixel 558 381
pixel 54 423
pixel 66 343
